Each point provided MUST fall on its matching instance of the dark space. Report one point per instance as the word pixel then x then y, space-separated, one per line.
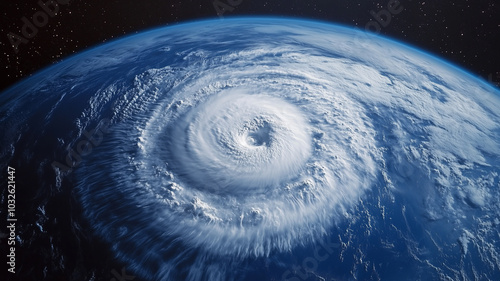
pixel 463 32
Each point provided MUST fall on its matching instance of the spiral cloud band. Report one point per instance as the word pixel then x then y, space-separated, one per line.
pixel 251 171
pixel 223 149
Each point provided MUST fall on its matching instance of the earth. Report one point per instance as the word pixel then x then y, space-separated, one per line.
pixel 252 149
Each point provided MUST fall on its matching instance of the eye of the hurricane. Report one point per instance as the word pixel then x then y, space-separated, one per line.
pixel 258 135
pixel 236 142
pixel 231 167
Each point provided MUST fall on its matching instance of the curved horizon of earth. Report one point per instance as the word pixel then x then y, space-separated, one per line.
pixel 254 148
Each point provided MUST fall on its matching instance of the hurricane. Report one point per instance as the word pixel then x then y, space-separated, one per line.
pixel 234 167
pixel 222 149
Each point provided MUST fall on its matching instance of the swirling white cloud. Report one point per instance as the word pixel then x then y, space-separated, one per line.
pixel 249 149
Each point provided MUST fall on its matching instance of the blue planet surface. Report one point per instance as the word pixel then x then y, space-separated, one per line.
pixel 254 149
